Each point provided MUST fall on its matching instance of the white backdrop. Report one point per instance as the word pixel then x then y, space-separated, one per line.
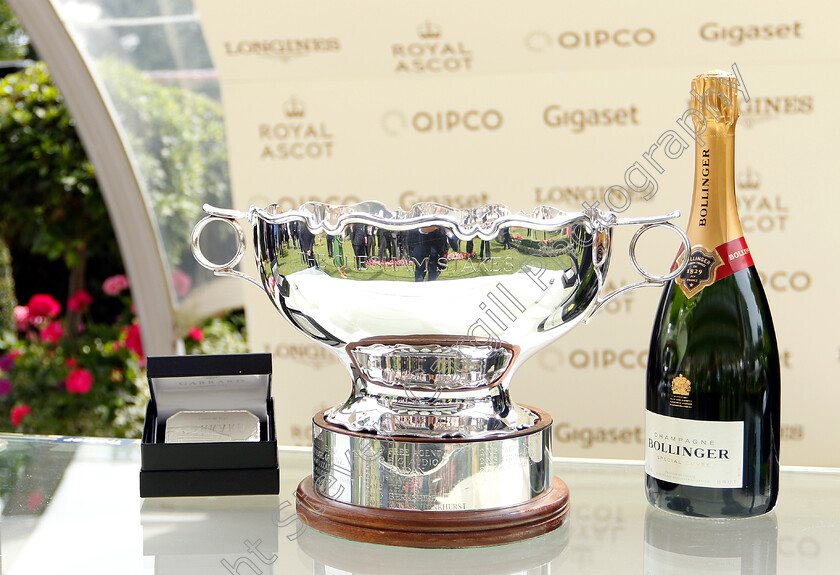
pixel 545 103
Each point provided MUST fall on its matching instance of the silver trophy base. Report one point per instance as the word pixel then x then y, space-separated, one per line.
pixel 421 492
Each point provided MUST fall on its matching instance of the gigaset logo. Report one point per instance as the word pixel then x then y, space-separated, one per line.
pixel 737 35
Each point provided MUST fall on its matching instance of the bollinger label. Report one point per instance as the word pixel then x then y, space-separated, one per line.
pixel 694 452
pixel 706 267
pixel 700 270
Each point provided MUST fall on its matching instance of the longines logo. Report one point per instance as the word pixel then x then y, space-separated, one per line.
pixel 760 109
pixel 539 41
pixel 296 137
pixel 759 212
pixel 573 195
pixel 311 354
pixel 395 122
pixel 283 49
pixel 431 53
pixel 577 120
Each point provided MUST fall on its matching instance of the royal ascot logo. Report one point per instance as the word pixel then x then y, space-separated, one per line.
pixel 759 212
pixel 395 122
pixel 296 137
pixel 431 53
pixel 540 41
pixel 293 108
pixel 283 49
pixel 748 180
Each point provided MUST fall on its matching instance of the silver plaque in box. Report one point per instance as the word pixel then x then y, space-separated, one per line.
pixel 218 426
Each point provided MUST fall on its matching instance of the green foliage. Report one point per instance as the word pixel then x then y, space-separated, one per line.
pixel 218 335
pixel 14 44
pixel 49 196
pixel 549 247
pixel 8 301
pixel 178 141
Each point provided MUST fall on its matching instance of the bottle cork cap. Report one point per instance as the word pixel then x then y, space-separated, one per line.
pixel 714 94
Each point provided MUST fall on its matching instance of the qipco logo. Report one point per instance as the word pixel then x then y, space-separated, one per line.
pixel 584 39
pixel 443 121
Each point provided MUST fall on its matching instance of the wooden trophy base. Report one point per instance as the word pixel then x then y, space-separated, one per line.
pixel 434 529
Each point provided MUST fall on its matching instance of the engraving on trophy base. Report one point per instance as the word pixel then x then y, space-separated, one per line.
pixel 425 474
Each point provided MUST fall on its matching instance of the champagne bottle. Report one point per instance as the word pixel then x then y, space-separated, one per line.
pixel 713 380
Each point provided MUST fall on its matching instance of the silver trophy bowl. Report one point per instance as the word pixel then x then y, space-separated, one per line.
pixel 431 310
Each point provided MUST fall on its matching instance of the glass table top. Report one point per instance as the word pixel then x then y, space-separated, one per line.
pixel 72 505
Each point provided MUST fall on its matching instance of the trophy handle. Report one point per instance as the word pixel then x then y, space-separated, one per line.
pixel 650 279
pixel 225 269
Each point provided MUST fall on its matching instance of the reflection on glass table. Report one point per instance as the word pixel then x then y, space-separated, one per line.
pixel 72 505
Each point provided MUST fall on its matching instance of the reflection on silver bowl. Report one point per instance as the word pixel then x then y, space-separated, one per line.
pixel 432 310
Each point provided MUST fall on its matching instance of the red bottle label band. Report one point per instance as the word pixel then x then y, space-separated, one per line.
pixel 736 257
pixel 705 267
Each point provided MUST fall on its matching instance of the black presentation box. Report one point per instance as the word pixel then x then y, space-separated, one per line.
pixel 200 383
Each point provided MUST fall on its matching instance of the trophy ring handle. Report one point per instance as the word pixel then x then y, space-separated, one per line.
pixel 650 280
pixel 225 269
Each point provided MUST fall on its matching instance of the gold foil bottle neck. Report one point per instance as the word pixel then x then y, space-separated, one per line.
pixel 714 98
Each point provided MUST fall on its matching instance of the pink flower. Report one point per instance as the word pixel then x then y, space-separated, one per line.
pixel 181 282
pixel 196 334
pixel 79 301
pixel 5 387
pixel 7 362
pixel 70 362
pixel 36 498
pixel 21 317
pixel 43 305
pixel 19 412
pixel 115 285
pixel 53 332
pixel 133 340
pixel 79 381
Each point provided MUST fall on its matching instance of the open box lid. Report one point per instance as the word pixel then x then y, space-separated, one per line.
pixel 210 382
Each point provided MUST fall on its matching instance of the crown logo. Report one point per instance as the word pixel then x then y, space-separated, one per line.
pixel 294 108
pixel 749 179
pixel 680 385
pixel 428 30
